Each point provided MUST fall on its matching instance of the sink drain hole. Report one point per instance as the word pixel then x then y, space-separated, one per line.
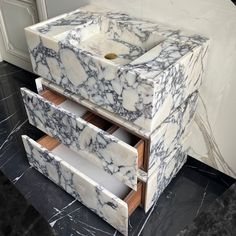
pixel 110 56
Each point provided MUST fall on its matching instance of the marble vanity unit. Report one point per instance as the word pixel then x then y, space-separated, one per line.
pixel 111 169
pixel 116 128
pixel 138 69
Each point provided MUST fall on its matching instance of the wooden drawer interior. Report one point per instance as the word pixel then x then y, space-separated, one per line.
pixel 131 197
pixel 100 122
pixel 76 108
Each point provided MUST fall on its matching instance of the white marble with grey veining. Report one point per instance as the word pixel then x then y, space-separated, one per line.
pixel 104 150
pixel 150 88
pixel 159 180
pixel 93 107
pixel 163 139
pixel 105 204
pixel 167 155
pixel 157 70
pixel 171 133
pixel 168 150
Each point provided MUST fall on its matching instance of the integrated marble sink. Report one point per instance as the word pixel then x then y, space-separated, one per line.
pixel 113 41
pixel 140 70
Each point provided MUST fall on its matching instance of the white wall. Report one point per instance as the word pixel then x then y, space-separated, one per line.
pixel 214 133
pixel 0 57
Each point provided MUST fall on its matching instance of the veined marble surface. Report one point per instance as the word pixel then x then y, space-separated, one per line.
pixel 109 207
pixel 104 150
pixel 163 139
pixel 159 180
pixel 171 133
pixel 214 131
pixel 165 67
pixel 168 150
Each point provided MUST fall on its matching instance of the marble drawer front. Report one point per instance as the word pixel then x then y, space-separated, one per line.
pixel 108 147
pixel 113 201
pixel 144 91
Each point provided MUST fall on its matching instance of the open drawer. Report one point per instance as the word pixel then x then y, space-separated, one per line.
pixel 103 194
pixel 112 149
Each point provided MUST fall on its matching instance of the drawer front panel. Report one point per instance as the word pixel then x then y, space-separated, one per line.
pixel 105 204
pixel 104 150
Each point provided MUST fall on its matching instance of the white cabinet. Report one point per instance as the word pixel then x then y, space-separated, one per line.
pixel 15 15
pixel 50 8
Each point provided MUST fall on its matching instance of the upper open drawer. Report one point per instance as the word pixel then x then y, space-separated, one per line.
pixel 112 149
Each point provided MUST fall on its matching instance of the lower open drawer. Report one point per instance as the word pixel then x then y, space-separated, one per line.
pixel 102 193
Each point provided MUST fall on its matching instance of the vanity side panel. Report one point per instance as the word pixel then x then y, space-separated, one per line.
pixel 168 150
pixel 109 207
pixel 107 152
pixel 96 109
pixel 171 133
pixel 159 180
pixel 178 81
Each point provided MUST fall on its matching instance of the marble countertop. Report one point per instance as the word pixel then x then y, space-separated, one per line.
pixel 174 210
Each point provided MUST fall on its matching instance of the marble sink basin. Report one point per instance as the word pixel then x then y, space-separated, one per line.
pixel 111 42
pixel 140 70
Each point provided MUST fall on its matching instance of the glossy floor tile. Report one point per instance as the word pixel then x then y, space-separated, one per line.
pixel 218 219
pixel 18 217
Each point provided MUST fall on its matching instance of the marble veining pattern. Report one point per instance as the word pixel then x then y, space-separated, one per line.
pixel 106 151
pixel 75 18
pixel 97 109
pixel 109 207
pixel 167 150
pixel 146 79
pixel 165 136
pixel 163 139
pixel 153 84
pixel 169 167
pixel 171 133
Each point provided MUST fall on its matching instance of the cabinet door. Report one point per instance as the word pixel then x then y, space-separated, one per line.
pixel 49 9
pixel 15 15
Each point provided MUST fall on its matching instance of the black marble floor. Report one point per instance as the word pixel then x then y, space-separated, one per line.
pixel 191 192
pixel 18 217
pixel 218 219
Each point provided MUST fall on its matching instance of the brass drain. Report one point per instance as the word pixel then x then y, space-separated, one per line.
pixel 110 56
